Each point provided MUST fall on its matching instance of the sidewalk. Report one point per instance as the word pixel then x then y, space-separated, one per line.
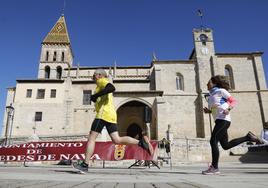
pixel 186 175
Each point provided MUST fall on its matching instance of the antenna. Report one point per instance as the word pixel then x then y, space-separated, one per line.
pixel 154 57
pixel 64 4
pixel 200 14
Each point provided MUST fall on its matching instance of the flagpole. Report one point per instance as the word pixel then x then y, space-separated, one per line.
pixel 63 9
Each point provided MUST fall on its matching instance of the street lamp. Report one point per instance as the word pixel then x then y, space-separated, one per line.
pixel 9 122
pixel 147 119
pixel 209 115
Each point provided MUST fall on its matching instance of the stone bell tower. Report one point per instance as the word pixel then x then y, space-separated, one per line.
pixel 56 52
pixel 204 53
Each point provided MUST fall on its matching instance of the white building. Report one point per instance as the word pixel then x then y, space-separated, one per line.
pixel 56 105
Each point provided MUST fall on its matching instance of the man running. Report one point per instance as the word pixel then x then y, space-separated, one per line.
pixel 106 116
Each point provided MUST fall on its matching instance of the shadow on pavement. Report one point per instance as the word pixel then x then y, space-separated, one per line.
pixel 68 171
pixel 255 172
pixel 255 154
pixel 172 172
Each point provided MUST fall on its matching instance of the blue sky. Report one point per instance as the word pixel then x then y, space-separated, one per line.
pixel 128 31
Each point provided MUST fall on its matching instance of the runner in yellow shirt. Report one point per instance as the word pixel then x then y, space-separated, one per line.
pixel 106 116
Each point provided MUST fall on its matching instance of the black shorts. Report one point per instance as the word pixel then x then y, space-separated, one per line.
pixel 98 125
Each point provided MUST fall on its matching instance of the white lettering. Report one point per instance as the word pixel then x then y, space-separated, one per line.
pixel 41 157
pixel 33 151
pixel 30 158
pixel 11 158
pixel 21 158
pixel 78 145
pixel 65 157
pixel 51 157
pixel 78 157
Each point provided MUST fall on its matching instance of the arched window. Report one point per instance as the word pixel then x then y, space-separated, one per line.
pixel 47 72
pixel 55 56
pixel 47 55
pixel 229 72
pixel 59 72
pixel 179 82
pixel 62 56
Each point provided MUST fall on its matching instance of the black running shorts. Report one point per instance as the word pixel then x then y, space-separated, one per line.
pixel 98 125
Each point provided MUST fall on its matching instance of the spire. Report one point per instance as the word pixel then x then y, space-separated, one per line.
pixel 58 34
pixel 114 73
pixel 77 70
pixel 154 57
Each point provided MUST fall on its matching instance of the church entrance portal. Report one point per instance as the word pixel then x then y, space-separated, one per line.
pixel 132 119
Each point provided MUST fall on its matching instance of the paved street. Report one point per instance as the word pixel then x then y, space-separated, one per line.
pixel 183 176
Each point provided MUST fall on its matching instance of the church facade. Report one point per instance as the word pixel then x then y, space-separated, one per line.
pixel 165 95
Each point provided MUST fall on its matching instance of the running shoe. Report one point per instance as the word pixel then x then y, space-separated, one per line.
pixel 82 167
pixel 254 138
pixel 146 145
pixel 211 171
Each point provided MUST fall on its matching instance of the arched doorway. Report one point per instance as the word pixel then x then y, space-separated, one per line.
pixel 134 115
pixel 134 131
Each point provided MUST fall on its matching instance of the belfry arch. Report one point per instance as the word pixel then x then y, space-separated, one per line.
pixel 138 113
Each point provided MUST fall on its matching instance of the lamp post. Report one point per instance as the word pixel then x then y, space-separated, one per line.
pixel 209 115
pixel 147 119
pixel 9 122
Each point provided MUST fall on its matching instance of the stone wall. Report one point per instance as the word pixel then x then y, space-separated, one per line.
pixel 244 78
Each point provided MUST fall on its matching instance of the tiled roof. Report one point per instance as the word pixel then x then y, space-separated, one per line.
pixel 58 34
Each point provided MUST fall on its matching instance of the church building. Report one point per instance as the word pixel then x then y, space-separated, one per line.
pixel 165 95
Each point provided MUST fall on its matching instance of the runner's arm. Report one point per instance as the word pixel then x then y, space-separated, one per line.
pixel 109 88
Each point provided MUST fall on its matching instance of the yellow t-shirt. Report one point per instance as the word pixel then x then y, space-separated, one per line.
pixel 104 105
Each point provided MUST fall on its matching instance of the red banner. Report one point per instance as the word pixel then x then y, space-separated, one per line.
pixel 73 150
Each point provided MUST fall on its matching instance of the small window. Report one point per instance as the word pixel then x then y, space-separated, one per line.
pixel 47 72
pixel 229 73
pixel 55 56
pixel 40 94
pixel 53 93
pixel 59 72
pixel 28 93
pixel 86 97
pixel 62 56
pixel 38 116
pixel 47 55
pixel 179 82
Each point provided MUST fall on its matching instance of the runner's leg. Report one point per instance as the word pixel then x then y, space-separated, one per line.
pixel 218 132
pixel 144 141
pixel 90 145
pixel 126 140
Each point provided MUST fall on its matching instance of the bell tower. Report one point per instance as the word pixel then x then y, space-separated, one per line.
pixel 204 51
pixel 56 52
